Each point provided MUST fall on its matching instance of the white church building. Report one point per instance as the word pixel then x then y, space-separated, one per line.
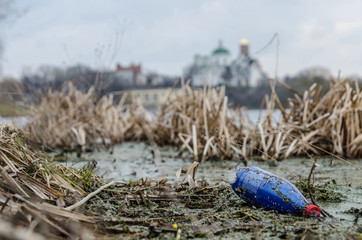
pixel 219 68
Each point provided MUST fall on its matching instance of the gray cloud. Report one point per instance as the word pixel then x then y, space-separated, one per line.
pixel 164 36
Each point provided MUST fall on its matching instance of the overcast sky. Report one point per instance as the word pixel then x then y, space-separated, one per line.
pixel 165 35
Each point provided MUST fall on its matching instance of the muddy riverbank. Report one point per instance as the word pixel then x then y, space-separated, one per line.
pixel 338 191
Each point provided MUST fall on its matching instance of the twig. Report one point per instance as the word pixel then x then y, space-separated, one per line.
pixel 38 215
pixel 21 198
pixel 3 207
pixel 15 186
pixel 276 99
pixel 327 152
pixel 357 216
pixel 194 142
pixel 310 177
pixel 286 86
pixel 92 194
pixel 324 213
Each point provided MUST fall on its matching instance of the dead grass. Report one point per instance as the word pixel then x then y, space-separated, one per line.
pixel 73 119
pixel 32 187
pixel 201 122
pixel 315 124
pixel 31 174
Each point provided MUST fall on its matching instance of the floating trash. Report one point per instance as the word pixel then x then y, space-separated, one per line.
pixel 266 190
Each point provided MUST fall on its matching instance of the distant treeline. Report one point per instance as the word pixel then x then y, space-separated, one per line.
pixel 253 97
pixel 32 85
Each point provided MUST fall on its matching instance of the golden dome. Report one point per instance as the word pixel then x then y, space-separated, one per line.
pixel 244 42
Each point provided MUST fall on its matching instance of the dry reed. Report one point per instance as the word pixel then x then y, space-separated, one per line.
pixel 73 119
pixel 34 190
pixel 315 124
pixel 200 121
pixel 31 174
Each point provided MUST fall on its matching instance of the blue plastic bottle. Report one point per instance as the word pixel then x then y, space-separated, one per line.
pixel 264 189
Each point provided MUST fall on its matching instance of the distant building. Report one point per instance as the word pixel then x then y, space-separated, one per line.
pixel 210 67
pixel 220 68
pixel 152 97
pixel 155 79
pixel 131 74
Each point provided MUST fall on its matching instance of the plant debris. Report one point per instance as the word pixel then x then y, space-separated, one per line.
pixel 34 190
pixel 329 124
pixel 322 192
pixel 201 122
pixel 75 120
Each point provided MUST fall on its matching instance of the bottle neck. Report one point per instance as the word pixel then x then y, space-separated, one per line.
pixel 312 211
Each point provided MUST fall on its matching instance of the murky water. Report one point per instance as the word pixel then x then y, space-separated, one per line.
pixel 254 114
pixel 14 121
pixel 132 161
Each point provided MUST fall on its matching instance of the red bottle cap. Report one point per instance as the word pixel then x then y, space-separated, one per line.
pixel 313 211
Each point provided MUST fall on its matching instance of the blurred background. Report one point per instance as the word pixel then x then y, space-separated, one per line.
pixel 143 47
